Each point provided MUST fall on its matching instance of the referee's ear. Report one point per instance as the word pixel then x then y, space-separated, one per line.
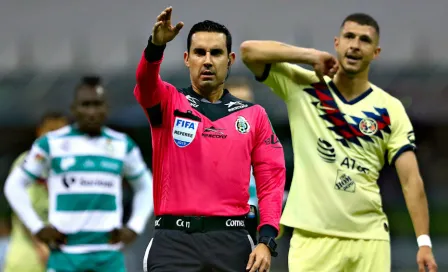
pixel 186 56
pixel 232 57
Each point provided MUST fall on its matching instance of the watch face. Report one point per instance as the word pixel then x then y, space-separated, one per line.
pixel 272 243
pixel 269 242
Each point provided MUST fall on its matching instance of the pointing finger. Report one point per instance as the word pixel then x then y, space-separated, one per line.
pixel 161 17
pixel 168 11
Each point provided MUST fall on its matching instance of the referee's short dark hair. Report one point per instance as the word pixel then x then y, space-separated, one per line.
pixel 362 19
pixel 210 26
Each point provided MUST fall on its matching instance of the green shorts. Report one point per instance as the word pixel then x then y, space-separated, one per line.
pixel 102 261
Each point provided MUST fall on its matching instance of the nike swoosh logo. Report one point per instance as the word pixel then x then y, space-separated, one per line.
pixel 320 106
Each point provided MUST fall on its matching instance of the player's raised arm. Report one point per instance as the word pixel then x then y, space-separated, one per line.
pixel 150 89
pixel 257 54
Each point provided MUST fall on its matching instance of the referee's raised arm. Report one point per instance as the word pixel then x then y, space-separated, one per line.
pixel 150 88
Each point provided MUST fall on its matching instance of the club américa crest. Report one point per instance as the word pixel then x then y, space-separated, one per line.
pixel 368 126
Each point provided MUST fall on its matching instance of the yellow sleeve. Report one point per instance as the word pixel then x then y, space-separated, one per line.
pixel 20 159
pixel 402 136
pixel 285 78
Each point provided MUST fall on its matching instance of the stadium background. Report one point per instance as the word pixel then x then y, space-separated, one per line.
pixel 47 45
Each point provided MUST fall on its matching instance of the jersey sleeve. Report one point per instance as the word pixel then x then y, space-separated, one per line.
pixel 151 92
pixel 134 165
pixel 402 136
pixel 269 170
pixel 19 161
pixel 37 163
pixel 285 78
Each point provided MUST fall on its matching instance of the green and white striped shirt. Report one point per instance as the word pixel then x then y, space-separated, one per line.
pixel 84 176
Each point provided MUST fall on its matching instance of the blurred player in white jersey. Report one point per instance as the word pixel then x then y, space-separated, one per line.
pixel 84 164
pixel 343 129
pixel 23 245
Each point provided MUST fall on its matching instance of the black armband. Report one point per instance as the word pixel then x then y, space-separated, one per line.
pixel 268 231
pixel 154 52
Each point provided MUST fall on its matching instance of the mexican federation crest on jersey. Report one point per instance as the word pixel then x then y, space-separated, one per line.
pixel 241 125
pixel 184 131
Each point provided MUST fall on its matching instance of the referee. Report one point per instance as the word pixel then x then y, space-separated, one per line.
pixel 205 142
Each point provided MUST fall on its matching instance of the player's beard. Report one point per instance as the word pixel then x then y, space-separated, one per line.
pixel 353 71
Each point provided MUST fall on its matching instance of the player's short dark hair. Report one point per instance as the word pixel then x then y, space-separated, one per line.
pixel 91 81
pixel 210 26
pixel 51 115
pixel 88 81
pixel 362 19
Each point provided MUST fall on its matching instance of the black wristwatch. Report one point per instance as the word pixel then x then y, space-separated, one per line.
pixel 270 243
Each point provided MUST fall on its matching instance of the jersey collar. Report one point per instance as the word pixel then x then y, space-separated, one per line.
pixel 353 101
pixel 223 98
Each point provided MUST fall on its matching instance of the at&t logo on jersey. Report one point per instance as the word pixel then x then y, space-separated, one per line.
pixel 184 131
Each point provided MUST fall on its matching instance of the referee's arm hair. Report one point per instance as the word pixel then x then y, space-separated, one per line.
pixel 268 164
pixel 257 54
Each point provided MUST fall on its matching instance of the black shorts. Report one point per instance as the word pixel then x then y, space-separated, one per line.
pixel 217 251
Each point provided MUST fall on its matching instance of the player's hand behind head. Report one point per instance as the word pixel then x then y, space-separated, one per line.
pixel 426 260
pixel 163 32
pixel 51 236
pixel 325 64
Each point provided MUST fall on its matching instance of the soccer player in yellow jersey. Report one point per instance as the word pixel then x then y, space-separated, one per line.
pixel 344 129
pixel 26 252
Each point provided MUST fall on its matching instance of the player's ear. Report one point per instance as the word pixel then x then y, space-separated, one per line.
pixel 186 57
pixel 232 57
pixel 377 52
pixel 336 42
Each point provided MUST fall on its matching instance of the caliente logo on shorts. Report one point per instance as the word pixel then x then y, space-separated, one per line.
pixel 184 131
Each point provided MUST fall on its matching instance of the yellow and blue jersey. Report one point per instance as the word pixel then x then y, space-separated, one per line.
pixel 339 148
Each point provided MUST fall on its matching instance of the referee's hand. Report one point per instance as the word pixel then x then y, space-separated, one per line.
pixel 259 259
pixel 163 32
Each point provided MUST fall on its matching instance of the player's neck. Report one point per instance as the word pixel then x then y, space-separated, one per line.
pixel 212 95
pixel 89 132
pixel 352 86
